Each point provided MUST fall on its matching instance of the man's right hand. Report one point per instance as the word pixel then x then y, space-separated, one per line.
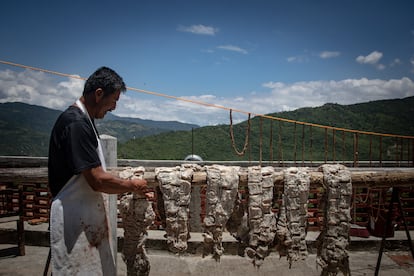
pixel 141 188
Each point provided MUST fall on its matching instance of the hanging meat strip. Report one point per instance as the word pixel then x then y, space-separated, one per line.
pixel 238 224
pixel 262 222
pixel 175 185
pixel 332 255
pixel 137 214
pixel 222 188
pixel 292 220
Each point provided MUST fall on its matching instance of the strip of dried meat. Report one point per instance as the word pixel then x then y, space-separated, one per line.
pixel 222 189
pixel 137 214
pixel 332 255
pixel 292 220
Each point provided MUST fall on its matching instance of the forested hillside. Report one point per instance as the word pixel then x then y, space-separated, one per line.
pixel 25 129
pixel 289 141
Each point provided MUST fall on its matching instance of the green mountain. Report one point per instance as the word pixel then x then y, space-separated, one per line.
pixel 25 129
pixel 125 128
pixel 274 140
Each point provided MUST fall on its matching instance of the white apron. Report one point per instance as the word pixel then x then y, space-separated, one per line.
pixel 80 236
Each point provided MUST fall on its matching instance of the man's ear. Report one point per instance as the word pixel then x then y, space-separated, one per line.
pixel 99 93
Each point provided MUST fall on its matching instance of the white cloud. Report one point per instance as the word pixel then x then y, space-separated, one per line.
pixel 412 64
pixel 198 29
pixel 297 59
pixel 232 48
pixel 348 91
pixel 38 88
pixel 380 66
pixel 291 59
pixel 329 54
pixel 209 51
pixel 41 89
pixel 372 58
pixel 395 62
pixel 306 56
pixel 279 97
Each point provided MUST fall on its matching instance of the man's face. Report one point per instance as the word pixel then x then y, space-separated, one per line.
pixel 105 104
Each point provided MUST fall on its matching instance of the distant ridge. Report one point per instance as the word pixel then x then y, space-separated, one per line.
pixel 25 129
pixel 213 142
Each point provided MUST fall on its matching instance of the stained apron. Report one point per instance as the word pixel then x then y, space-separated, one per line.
pixel 79 227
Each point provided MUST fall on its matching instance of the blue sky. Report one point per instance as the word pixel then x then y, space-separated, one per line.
pixel 256 56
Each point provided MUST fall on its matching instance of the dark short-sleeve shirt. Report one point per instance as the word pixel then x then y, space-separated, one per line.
pixel 72 148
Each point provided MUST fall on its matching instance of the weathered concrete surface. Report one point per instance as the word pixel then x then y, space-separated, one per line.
pixel 363 256
pixel 163 263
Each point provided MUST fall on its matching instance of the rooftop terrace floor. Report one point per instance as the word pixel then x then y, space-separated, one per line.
pixel 363 255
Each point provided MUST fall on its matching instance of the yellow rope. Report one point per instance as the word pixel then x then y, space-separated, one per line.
pixel 216 106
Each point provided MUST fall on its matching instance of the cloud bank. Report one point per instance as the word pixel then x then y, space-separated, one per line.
pixel 38 88
pixel 46 90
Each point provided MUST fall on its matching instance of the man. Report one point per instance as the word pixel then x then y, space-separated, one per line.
pixel 79 226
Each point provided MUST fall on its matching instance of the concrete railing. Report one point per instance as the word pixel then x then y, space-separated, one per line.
pixel 30 173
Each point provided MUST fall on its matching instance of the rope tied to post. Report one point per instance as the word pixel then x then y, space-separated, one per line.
pixel 246 139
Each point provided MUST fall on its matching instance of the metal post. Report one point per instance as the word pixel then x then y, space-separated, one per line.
pixel 394 198
pixel 407 232
pixel 326 145
pixel 333 146
pixel 192 141
pixel 387 222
